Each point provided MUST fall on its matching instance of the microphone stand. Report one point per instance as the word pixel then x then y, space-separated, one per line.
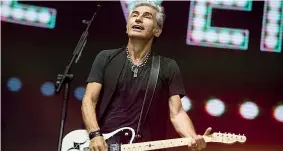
pixel 66 78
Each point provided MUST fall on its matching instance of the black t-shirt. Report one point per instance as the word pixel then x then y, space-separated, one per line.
pixel 125 106
pixel 124 110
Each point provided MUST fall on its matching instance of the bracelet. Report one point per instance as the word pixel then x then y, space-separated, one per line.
pixel 94 134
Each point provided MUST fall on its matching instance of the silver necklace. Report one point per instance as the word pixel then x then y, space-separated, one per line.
pixel 135 68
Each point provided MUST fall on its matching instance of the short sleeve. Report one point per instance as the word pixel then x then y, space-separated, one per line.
pixel 98 67
pixel 176 86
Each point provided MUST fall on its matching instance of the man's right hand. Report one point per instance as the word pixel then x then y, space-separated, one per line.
pixel 98 144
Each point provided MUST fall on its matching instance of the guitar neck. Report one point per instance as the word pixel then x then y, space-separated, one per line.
pixel 162 144
pixel 84 142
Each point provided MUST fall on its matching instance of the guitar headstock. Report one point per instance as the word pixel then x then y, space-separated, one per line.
pixel 228 138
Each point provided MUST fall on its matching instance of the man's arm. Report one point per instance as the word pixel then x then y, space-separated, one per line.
pixel 89 105
pixel 179 118
pixel 89 115
pixel 183 124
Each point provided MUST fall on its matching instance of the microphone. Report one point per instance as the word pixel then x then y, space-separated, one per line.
pixel 85 21
pixel 88 21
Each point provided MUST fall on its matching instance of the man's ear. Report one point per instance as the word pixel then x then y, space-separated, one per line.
pixel 157 32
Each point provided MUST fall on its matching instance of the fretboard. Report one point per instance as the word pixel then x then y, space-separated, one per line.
pixel 153 145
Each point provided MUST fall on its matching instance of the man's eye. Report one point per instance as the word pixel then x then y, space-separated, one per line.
pixel 148 17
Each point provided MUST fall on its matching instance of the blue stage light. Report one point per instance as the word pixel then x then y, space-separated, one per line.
pixel 79 93
pixel 14 84
pixel 48 89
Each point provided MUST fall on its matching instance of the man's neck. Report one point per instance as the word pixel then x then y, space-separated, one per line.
pixel 138 49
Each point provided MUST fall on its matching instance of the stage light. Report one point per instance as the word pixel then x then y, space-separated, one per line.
pixel 228 2
pixel 186 103
pixel 224 37
pixel 6 2
pixel 5 11
pixel 47 89
pixel 272 26
pixel 79 93
pixel 214 2
pixel 272 29
pixel 237 38
pixel 249 110
pixel 15 12
pixel 31 14
pixel 200 9
pixel 273 15
pixel 241 3
pixel 278 113
pixel 200 24
pixel 215 107
pixel 14 84
pixel 211 36
pixel 18 13
pixel 270 41
pixel 44 17
pixel 197 35
pixel 274 4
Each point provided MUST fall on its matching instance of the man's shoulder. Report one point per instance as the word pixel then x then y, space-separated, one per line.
pixel 166 61
pixel 109 52
pixel 167 66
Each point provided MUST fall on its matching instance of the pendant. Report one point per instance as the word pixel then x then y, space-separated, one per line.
pixel 135 70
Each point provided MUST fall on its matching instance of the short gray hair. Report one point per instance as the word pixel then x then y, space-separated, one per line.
pixel 160 15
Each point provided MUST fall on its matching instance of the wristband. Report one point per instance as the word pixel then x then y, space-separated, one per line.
pixel 94 134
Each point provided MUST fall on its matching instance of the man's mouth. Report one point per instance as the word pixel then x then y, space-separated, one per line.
pixel 137 27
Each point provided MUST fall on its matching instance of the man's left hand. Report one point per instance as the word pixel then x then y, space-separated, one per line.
pixel 198 143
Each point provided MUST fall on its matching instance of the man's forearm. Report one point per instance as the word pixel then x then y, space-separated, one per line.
pixel 183 124
pixel 89 115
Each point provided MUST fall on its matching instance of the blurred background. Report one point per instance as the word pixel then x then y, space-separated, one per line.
pixel 229 54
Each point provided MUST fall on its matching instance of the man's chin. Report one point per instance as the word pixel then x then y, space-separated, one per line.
pixel 137 36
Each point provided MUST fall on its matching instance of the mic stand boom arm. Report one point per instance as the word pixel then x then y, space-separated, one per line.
pixel 66 77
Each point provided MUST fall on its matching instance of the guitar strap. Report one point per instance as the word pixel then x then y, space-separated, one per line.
pixel 151 85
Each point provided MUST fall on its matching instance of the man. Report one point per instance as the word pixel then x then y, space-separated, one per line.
pixel 115 90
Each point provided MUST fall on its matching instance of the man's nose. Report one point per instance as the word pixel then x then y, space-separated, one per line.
pixel 139 18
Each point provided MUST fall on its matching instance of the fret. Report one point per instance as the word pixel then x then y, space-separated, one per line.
pixel 157 144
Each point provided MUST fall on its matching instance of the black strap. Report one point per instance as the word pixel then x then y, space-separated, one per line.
pixel 151 85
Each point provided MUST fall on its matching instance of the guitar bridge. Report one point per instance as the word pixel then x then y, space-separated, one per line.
pixel 114 147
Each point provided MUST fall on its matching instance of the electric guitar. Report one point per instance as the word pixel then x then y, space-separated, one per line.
pixel 78 140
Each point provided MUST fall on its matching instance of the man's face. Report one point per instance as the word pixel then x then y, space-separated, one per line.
pixel 142 23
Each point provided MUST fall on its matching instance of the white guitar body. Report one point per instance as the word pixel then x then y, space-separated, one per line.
pixel 78 140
